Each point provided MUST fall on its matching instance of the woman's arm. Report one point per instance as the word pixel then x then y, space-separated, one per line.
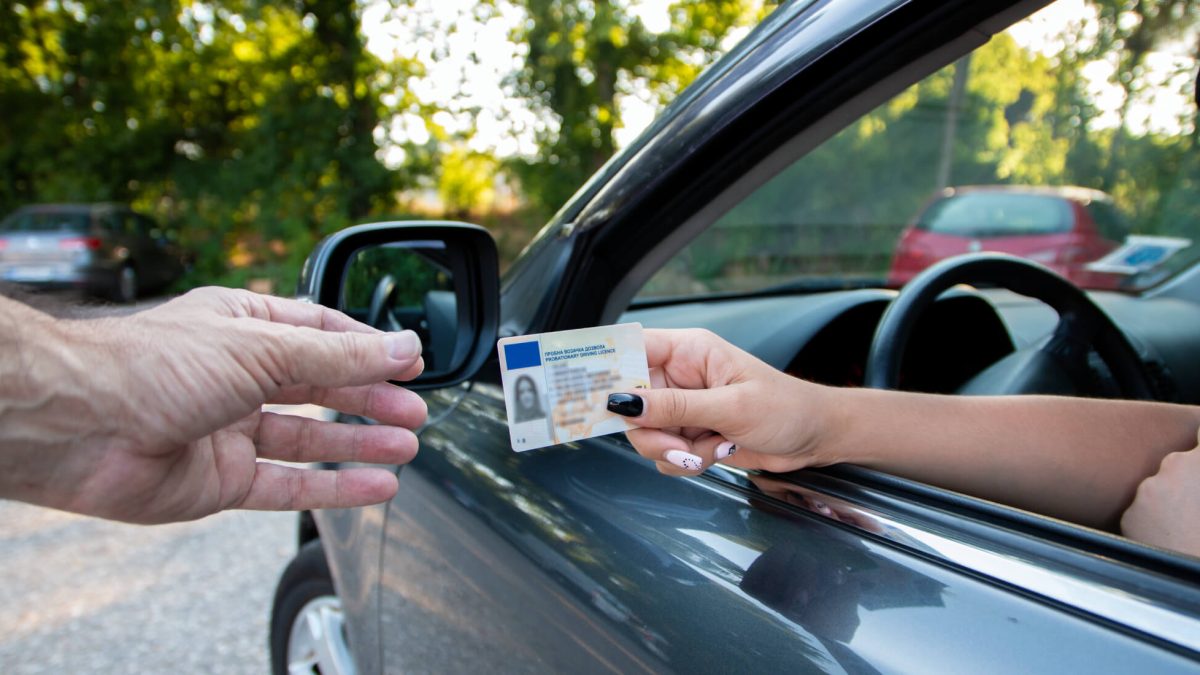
pixel 1077 459
pixel 1073 458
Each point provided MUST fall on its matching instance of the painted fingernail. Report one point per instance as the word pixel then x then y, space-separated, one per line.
pixel 684 460
pixel 724 450
pixel 403 345
pixel 628 405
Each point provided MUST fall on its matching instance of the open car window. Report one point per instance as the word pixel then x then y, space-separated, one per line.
pixel 1019 147
pixel 1053 141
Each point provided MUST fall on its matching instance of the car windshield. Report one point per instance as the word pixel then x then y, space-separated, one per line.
pixel 44 221
pixel 1038 131
pixel 996 214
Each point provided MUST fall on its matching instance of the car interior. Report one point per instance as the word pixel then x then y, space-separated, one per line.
pixel 789 261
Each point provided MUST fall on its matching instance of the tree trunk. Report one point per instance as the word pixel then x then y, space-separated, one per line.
pixel 605 69
pixel 957 95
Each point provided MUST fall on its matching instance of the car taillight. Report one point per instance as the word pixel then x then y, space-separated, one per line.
pixel 916 254
pixel 3 244
pixel 79 243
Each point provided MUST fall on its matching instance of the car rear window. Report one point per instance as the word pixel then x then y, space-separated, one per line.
pixel 45 222
pixel 981 214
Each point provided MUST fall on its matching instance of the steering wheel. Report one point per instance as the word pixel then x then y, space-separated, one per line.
pixel 379 314
pixel 1058 367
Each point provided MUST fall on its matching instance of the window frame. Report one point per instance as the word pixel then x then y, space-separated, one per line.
pixel 1091 554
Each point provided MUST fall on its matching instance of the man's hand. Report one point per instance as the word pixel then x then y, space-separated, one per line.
pixel 157 417
pixel 1166 506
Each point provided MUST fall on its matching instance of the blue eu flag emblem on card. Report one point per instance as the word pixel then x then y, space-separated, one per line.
pixel 522 355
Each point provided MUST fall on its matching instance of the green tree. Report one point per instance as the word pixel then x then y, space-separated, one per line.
pixel 584 55
pixel 1133 29
pixel 466 182
pixel 249 126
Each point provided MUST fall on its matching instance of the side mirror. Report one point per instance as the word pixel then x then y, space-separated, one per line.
pixel 438 279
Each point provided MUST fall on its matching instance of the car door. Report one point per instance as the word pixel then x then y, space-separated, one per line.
pixel 582 557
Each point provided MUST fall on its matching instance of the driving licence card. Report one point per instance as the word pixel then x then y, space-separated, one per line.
pixel 556 385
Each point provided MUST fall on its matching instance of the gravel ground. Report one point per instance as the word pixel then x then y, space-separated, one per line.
pixel 82 595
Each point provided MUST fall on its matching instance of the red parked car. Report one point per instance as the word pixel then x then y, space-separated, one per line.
pixel 1063 228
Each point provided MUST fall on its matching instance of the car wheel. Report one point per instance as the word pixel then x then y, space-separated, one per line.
pixel 308 633
pixel 126 290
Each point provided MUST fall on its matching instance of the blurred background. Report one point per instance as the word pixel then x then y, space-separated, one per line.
pixel 229 136
pixel 246 130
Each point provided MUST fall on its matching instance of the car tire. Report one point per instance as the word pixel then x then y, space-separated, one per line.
pixel 125 290
pixel 307 629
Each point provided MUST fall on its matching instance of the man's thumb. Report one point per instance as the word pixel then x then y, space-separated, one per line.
pixel 338 359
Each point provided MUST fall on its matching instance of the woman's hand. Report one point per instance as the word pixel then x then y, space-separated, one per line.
pixel 1163 512
pixel 1077 459
pixel 713 402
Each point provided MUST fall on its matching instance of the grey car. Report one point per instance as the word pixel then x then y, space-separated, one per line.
pixel 749 208
pixel 102 250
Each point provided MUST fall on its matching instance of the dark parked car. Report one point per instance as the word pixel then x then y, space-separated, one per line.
pixel 583 558
pixel 104 250
pixel 1064 228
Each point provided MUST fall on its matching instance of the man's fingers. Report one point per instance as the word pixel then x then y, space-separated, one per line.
pixel 309 314
pixel 382 402
pixel 299 356
pixel 659 408
pixel 236 302
pixel 285 488
pixel 293 438
pixel 294 312
pixel 413 371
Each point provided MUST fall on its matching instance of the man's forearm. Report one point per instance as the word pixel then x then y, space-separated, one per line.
pixel 1077 459
pixel 45 406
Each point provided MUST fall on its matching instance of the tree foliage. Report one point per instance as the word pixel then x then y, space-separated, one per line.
pixel 1024 117
pixel 583 56
pixel 251 128
pixel 248 126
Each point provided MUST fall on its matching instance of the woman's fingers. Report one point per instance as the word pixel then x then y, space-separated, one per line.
pixel 678 456
pixel 292 438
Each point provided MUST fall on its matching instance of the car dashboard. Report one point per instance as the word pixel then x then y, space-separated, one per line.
pixel 826 337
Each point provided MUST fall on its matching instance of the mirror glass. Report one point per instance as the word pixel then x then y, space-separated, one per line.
pixel 408 285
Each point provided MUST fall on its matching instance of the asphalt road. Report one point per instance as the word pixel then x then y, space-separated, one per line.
pixel 82 595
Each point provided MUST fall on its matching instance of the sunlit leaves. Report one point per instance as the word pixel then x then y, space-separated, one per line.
pixel 585 56
pixel 466 182
pixel 247 125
